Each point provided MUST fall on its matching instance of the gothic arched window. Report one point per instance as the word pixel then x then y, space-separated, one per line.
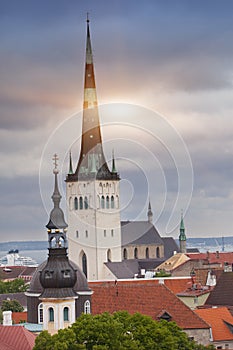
pixel 85 203
pixel 109 255
pixel 84 264
pixel 112 202
pixel 107 202
pixel 136 253
pixel 157 252
pixel 40 313
pixel 66 313
pixel 76 203
pixel 125 255
pixel 81 203
pixel 87 307
pixel 147 253
pixel 51 314
pixel 102 202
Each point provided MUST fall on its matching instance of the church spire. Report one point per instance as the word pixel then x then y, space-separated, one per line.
pixel 56 219
pixel 150 214
pixel 91 144
pixel 70 165
pixel 182 236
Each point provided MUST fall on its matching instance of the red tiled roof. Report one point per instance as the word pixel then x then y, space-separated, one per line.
pixel 16 338
pixel 12 272
pixel 216 317
pixel 177 285
pixel 217 257
pixel 144 296
pixel 17 317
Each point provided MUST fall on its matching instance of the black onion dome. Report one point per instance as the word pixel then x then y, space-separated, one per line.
pixel 58 273
pixel 80 284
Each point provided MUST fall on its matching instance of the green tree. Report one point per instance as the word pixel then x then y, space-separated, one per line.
pixel 16 286
pixel 120 331
pixel 11 305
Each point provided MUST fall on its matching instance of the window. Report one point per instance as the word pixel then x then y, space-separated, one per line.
pixel 125 255
pixel 105 233
pixel 85 203
pixel 109 255
pixel 40 313
pixel 66 314
pixel 66 273
pixel 107 202
pixel 157 252
pixel 76 203
pixel 136 253
pixel 51 314
pixel 76 234
pixel 81 203
pixel 112 202
pixel 84 264
pixel 147 253
pixel 87 307
pixel 102 202
pixel 86 233
pixel 112 233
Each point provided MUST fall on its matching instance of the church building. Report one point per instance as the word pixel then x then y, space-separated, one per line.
pixel 98 240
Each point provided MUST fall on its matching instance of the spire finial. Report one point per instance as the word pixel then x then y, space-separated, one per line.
pixel 55 159
pixel 88 17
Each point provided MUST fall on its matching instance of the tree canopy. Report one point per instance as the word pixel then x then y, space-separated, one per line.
pixel 16 286
pixel 118 331
pixel 11 305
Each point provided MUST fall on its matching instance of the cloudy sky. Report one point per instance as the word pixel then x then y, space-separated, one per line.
pixel 169 67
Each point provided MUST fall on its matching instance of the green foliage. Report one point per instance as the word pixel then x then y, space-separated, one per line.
pixel 11 305
pixel 16 286
pixel 162 273
pixel 120 331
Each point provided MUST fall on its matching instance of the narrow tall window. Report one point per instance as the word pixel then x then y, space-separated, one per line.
pixel 84 264
pixel 76 203
pixel 112 202
pixel 40 313
pixel 157 252
pixel 105 233
pixel 136 253
pixel 107 202
pixel 66 314
pixel 102 202
pixel 112 232
pixel 86 233
pixel 81 203
pixel 51 314
pixel 125 255
pixel 109 255
pixel 147 253
pixel 87 307
pixel 85 203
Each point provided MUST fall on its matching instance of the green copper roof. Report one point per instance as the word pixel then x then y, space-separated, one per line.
pixel 182 236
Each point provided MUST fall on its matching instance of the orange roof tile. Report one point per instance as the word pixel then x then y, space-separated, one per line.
pixel 217 257
pixel 16 338
pixel 216 317
pixel 144 296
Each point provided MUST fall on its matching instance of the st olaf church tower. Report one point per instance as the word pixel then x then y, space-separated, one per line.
pixel 92 191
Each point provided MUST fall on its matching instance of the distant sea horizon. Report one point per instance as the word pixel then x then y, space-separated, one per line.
pixel 38 250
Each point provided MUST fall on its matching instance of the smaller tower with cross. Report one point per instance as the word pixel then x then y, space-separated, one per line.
pixel 182 236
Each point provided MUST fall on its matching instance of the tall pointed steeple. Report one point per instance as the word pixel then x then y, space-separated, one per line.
pixel 91 154
pixel 182 236
pixel 149 213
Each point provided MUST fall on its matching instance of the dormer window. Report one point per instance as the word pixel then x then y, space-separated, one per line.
pixel 48 274
pixel 66 273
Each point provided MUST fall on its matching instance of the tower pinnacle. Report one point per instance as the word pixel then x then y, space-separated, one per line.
pixel 149 213
pixel 56 219
pixel 182 236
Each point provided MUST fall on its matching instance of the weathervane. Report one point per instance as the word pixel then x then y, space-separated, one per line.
pixel 55 158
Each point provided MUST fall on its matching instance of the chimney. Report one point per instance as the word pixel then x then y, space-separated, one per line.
pixel 7 318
